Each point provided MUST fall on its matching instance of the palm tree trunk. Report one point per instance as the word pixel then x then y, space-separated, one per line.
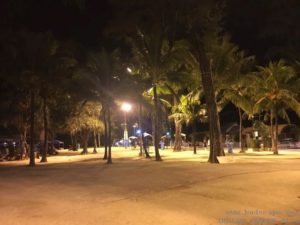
pixel 141 132
pixel 176 135
pixel 23 149
pixel 156 125
pixel 276 135
pixel 272 131
pixel 143 143
pixel 105 134
pixel 241 130
pixel 45 117
pixel 216 148
pixel 95 142
pixel 99 140
pixel 153 126
pixel 32 123
pixel 109 158
pixel 146 146
pixel 178 140
pixel 85 138
pixel 194 136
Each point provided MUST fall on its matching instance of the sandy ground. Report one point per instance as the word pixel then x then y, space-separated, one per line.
pixel 251 188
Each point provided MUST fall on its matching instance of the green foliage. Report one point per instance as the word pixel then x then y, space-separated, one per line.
pixel 85 117
pixel 276 88
pixel 103 74
pixel 189 109
pixel 229 66
pixel 262 128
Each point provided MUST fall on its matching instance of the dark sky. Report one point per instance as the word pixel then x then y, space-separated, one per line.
pixel 65 20
pixel 257 26
pixel 268 29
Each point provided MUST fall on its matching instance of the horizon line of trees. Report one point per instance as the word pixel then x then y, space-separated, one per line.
pixel 184 68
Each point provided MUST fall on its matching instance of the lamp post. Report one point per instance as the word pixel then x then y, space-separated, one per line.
pixel 126 107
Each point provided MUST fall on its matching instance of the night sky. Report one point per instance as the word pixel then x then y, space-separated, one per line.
pixel 65 20
pixel 259 27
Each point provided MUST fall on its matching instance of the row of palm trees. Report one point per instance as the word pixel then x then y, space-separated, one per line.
pixel 276 89
pixel 190 76
pixel 269 91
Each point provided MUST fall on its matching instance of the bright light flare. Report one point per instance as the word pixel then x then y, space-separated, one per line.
pixel 126 107
pixel 129 70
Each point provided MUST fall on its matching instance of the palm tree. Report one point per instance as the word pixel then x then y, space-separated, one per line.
pixel 276 87
pixel 137 83
pixel 202 25
pixel 239 96
pixel 103 75
pixel 178 83
pixel 186 79
pixel 47 83
pixel 56 89
pixel 15 112
pixel 194 21
pixel 169 98
pixel 179 117
pixel 30 56
pixel 85 119
pixel 230 67
pixel 155 57
pixel 192 109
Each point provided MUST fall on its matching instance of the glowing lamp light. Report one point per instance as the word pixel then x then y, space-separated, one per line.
pixel 126 107
pixel 129 70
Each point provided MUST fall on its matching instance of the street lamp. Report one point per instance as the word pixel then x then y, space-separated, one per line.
pixel 129 70
pixel 125 107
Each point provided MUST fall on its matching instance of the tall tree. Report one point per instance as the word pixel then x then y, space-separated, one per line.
pixel 149 31
pixel 103 73
pixel 197 21
pixel 202 23
pixel 135 90
pixel 230 66
pixel 84 120
pixel 184 79
pixel 191 110
pixel 30 53
pixel 276 87
pixel 46 83
pixel 152 53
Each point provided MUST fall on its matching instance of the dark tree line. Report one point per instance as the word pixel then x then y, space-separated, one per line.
pixel 53 80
